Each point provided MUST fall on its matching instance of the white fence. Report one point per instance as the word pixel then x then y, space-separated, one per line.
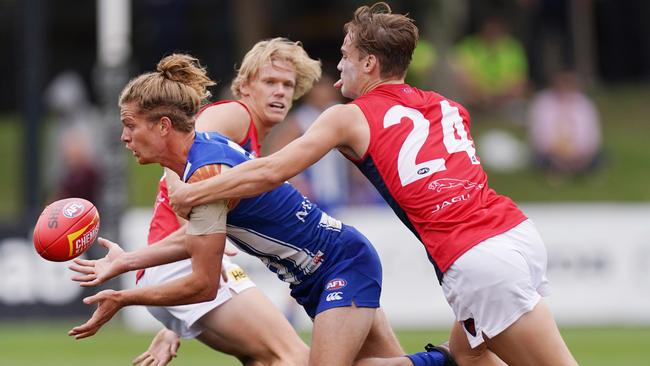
pixel 599 266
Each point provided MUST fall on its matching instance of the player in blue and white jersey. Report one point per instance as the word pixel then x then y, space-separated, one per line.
pixel 291 235
pixel 333 271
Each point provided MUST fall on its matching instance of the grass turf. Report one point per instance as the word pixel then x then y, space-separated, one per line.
pixel 36 343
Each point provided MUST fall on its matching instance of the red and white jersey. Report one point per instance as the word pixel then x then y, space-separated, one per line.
pixel 422 160
pixel 250 142
pixel 164 220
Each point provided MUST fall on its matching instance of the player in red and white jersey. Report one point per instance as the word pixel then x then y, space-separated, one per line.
pixel 272 75
pixel 423 161
pixel 251 141
pixel 415 147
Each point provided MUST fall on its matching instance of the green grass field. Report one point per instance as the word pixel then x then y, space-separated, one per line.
pixel 32 344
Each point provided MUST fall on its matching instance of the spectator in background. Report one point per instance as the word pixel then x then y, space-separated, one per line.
pixel 564 128
pixel 491 67
pixel 73 165
pixel 80 176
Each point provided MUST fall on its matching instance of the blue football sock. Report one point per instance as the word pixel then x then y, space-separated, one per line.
pixel 432 358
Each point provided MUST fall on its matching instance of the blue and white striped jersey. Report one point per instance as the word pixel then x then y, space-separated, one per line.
pixel 290 234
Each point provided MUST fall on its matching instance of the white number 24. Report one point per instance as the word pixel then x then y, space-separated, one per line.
pixel 452 124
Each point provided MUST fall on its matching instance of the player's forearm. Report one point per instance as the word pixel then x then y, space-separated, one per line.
pixel 190 289
pixel 261 175
pixel 245 180
pixel 198 286
pixel 170 249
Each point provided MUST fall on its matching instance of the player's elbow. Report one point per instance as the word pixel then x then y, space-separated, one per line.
pixel 204 290
pixel 272 177
pixel 209 293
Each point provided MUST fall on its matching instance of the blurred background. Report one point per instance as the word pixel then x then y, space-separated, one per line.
pixel 558 91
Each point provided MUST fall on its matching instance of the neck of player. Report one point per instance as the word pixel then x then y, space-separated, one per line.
pixel 372 84
pixel 178 148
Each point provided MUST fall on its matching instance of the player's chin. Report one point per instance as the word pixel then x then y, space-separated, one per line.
pixel 143 161
pixel 277 116
pixel 347 93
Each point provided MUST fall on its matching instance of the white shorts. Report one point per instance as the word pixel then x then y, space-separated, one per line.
pixel 182 318
pixel 497 281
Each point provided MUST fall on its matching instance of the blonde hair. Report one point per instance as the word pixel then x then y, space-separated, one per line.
pixel 176 89
pixel 375 30
pixel 308 70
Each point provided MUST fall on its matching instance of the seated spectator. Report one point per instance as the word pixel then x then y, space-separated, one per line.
pixel 81 177
pixel 491 67
pixel 73 161
pixel 564 128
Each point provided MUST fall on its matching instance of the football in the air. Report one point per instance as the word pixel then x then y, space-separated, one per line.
pixel 65 229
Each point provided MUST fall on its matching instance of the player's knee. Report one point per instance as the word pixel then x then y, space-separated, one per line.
pixel 469 356
pixel 296 355
pixel 290 361
pixel 299 356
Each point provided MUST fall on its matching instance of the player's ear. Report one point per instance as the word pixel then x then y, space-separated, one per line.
pixel 245 89
pixel 371 63
pixel 165 125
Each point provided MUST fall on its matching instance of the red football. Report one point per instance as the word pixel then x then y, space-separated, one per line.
pixel 65 229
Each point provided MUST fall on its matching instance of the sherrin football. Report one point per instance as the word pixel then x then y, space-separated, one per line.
pixel 65 229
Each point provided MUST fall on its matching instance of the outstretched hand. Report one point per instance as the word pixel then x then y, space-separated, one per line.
pixel 163 348
pixel 178 196
pixel 108 305
pixel 96 272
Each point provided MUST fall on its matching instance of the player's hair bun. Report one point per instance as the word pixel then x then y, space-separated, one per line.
pixel 187 70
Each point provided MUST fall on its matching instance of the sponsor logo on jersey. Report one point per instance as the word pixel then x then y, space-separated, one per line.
pixel 315 262
pixel 335 284
pixel 329 223
pixel 305 209
pixel 423 171
pixel 439 185
pixel 334 296
pixel 73 209
pixel 447 203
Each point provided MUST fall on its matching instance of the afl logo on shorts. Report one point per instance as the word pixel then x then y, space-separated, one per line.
pixel 336 284
pixel 73 209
